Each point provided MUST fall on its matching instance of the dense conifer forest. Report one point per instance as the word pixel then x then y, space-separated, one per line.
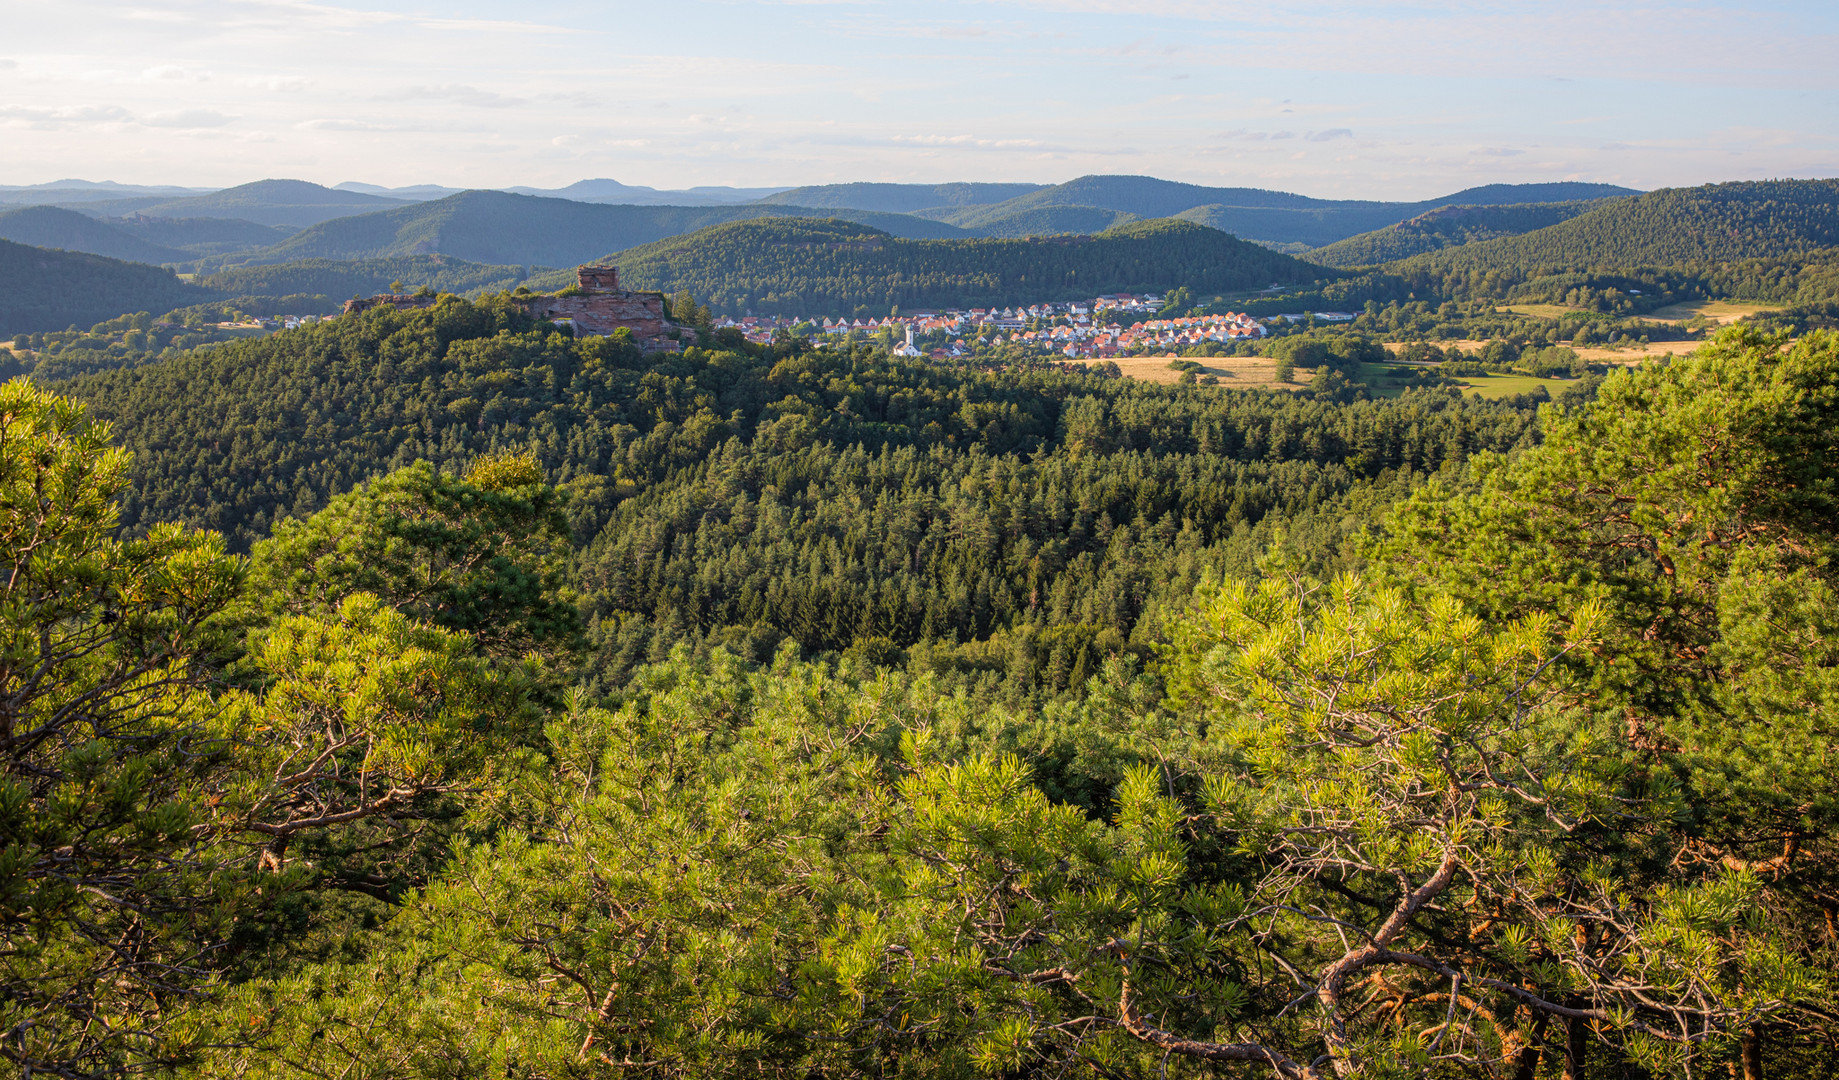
pixel 543 708
pixel 855 499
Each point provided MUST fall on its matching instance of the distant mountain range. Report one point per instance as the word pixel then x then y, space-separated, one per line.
pixel 266 202
pixel 1087 205
pixel 588 191
pixel 901 198
pixel 503 228
pixel 138 239
pixel 496 227
pixel 58 192
pixel 1272 217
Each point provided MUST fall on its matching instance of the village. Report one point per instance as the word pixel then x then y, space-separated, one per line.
pixel 1105 327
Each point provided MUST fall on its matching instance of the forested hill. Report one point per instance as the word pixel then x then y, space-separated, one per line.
pixel 497 228
pixel 1768 219
pixel 1055 220
pixel 52 227
pixel 339 278
pixel 43 289
pixel 749 495
pixel 830 268
pixel 1448 226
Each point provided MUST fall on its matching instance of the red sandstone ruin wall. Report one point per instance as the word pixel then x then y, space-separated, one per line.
pixel 603 313
pixel 598 278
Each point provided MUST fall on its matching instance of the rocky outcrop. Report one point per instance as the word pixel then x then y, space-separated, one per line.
pixel 595 306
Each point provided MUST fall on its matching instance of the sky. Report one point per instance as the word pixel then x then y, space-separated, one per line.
pixel 1330 99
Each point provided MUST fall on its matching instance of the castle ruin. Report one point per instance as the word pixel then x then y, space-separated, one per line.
pixel 596 306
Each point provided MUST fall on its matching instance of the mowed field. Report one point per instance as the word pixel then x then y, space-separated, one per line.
pixel 1242 372
pixel 1634 354
pixel 1494 387
pixel 1722 312
pixel 1539 311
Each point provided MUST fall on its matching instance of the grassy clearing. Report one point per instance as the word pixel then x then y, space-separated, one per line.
pixel 1465 344
pixel 1494 387
pixel 1234 372
pixel 1631 355
pixel 1541 311
pixel 1382 384
pixel 1722 312
pixel 1651 351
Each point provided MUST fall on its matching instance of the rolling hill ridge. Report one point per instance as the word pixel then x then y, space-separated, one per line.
pixel 496 228
pixel 67 230
pixel 1251 213
pixel 293 203
pixel 900 198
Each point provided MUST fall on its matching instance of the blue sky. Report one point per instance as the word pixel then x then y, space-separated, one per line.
pixel 1346 100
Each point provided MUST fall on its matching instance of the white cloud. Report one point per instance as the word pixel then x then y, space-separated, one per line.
pixel 280 84
pixel 470 96
pixel 175 73
pixel 1329 136
pixel 187 118
pixel 78 114
pixel 346 124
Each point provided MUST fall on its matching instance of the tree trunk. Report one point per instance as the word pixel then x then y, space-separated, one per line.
pixel 1576 1034
pixel 274 854
pixel 1752 1053
pixel 1528 1067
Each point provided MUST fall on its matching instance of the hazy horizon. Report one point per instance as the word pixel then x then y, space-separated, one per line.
pixel 1334 100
